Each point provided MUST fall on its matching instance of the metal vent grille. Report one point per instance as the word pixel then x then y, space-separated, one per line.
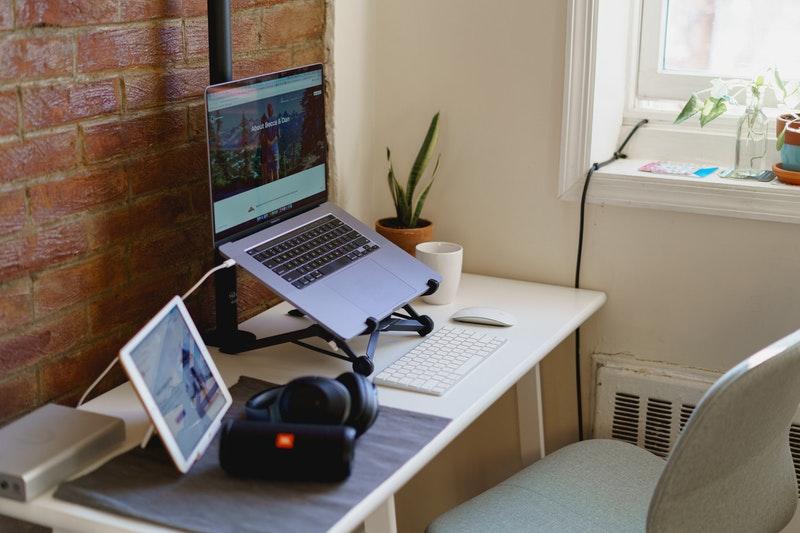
pixel 629 406
pixel 625 425
pixel 657 426
pixel 794 446
pixel 686 412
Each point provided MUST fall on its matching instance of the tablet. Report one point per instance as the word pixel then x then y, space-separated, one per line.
pixel 176 380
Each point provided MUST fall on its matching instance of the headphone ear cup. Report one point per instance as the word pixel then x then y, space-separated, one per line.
pixel 264 406
pixel 314 400
pixel 363 401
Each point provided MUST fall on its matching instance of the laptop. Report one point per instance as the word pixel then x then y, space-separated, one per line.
pixel 268 169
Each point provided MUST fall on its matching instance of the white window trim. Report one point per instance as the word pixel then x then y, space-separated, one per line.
pixel 620 183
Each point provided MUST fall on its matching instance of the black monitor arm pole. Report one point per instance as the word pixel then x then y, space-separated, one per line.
pixel 227 335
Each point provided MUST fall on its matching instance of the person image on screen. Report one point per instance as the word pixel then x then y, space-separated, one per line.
pixel 268 138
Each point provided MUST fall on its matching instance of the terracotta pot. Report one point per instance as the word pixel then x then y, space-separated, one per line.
pixel 792 135
pixel 405 238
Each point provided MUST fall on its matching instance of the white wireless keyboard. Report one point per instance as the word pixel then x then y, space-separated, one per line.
pixel 440 361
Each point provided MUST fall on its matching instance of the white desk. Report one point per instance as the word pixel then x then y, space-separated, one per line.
pixel 546 315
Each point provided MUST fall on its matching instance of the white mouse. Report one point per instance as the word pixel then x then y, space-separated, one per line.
pixel 485 315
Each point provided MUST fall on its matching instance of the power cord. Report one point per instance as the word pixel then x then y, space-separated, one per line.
pixel 227 264
pixel 595 167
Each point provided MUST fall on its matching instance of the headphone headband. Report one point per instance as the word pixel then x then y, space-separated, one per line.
pixel 264 405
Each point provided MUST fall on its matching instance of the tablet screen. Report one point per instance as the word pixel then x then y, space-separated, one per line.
pixel 179 380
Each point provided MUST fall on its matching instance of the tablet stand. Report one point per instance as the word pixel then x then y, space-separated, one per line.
pixel 231 340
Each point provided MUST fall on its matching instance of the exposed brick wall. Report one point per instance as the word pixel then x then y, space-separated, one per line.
pixel 103 176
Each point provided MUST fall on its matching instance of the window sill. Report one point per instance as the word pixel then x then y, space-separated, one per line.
pixel 621 183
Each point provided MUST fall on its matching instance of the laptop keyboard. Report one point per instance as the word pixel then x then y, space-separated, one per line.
pixel 313 251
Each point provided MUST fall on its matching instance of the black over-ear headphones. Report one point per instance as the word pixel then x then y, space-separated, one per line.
pixel 305 430
pixel 349 400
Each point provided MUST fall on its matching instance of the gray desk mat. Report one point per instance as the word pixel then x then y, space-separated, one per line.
pixel 145 484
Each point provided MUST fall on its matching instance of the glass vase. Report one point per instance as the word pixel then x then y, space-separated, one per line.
pixel 751 140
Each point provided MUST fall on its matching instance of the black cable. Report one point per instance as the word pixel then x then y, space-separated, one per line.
pixel 595 167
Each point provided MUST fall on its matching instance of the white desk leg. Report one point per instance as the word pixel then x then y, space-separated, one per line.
pixel 382 519
pixel 529 417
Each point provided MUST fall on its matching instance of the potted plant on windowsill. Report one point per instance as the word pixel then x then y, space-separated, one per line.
pixel 407 229
pixel 750 151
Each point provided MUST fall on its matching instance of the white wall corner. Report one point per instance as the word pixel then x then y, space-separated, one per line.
pixel 349 43
pixel 330 94
pixel 576 122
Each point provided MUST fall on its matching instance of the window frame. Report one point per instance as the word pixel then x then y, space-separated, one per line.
pixel 653 82
pixel 587 135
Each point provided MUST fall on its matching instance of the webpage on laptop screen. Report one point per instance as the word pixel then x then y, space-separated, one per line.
pixel 266 148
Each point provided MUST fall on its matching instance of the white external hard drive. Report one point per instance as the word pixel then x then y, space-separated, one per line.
pixel 45 447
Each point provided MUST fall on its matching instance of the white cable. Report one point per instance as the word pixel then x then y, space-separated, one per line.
pixel 227 264
pixel 99 378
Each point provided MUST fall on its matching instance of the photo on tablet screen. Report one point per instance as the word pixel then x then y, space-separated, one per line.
pixel 179 379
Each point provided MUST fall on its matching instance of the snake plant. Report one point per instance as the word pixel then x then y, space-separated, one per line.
pixel 408 210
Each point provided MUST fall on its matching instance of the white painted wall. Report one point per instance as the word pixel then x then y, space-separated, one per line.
pixel 692 290
pixel 351 60
pixel 701 291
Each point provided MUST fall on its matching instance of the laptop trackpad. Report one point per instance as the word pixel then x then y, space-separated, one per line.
pixel 371 288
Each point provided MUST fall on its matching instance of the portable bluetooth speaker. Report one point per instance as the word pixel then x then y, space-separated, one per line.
pixel 300 452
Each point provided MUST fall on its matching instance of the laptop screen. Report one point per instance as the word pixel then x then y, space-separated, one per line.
pixel 267 149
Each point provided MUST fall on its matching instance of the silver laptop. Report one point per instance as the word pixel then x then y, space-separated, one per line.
pixel 267 153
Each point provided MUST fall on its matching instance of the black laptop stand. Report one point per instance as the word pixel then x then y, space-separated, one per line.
pixel 231 340
pixel 227 336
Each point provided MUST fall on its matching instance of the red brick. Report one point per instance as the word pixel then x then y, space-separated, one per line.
pixel 110 139
pixel 253 296
pixel 134 305
pixel 6 15
pixel 177 248
pixel 36 156
pixel 19 394
pixel 179 166
pixel 146 217
pixel 157 213
pixel 197 123
pixel 34 57
pixel 8 112
pixel 64 12
pixel 43 339
pixel 251 66
pixel 15 303
pixel 294 22
pixel 154 89
pixel 148 9
pixel 307 55
pixel 245 4
pixel 201 200
pixel 108 228
pixel 64 374
pixel 57 289
pixel 55 199
pixel 122 47
pixel 47 247
pixel 60 103
pixel 12 211
pixel 246 35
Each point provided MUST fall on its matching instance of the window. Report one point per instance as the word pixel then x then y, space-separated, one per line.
pixel 686 43
pixel 633 59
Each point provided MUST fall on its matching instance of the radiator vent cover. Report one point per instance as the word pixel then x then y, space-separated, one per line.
pixel 626 418
pixel 686 412
pixel 794 445
pixel 658 426
pixel 650 406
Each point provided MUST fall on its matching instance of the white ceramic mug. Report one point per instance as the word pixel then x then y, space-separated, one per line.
pixel 445 258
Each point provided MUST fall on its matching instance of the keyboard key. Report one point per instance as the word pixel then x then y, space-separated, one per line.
pixel 335 265
pixel 440 361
